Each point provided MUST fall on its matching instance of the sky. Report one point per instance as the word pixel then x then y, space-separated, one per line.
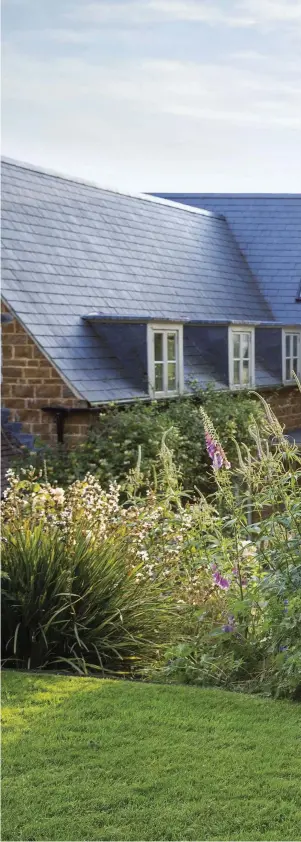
pixel 156 95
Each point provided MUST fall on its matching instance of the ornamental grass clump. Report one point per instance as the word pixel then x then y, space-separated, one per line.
pixel 76 605
pixel 53 537
pixel 76 593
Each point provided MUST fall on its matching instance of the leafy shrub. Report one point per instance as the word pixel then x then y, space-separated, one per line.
pixel 72 596
pixel 233 580
pixel 154 527
pixel 251 639
pixel 111 448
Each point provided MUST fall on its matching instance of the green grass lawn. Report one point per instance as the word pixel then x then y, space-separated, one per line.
pixel 85 759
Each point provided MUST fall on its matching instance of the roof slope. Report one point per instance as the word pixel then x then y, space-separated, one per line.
pixel 70 248
pixel 267 228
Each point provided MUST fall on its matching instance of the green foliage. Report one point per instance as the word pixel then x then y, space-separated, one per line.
pixel 111 448
pixel 234 580
pixel 251 639
pixel 69 601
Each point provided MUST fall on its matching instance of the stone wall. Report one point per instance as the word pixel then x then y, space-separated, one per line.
pixel 286 404
pixel 29 381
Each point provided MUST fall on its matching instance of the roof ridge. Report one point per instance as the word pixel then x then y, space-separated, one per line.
pixel 145 197
pixel 234 195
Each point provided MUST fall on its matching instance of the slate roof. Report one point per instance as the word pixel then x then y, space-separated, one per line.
pixel 267 228
pixel 70 248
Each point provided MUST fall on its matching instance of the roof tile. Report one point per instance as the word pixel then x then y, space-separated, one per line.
pixel 70 249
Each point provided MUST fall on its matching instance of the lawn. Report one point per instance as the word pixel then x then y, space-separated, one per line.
pixel 86 759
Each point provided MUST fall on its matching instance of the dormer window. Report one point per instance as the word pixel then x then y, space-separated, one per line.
pixel 291 355
pixel 165 360
pixel 241 357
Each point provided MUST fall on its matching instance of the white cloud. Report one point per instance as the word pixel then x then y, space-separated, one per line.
pixel 66 36
pixel 135 13
pixel 200 11
pixel 56 35
pixel 219 93
pixel 273 11
pixel 240 13
pixel 230 13
pixel 200 91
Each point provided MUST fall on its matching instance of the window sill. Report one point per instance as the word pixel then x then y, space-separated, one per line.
pixel 291 382
pixel 156 396
pixel 239 388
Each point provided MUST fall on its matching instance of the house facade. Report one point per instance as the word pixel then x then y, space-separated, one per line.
pixel 115 297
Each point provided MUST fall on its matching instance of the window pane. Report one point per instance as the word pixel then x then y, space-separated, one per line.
pixel 295 365
pixel 171 346
pixel 287 345
pixel 245 345
pixel 246 372
pixel 295 345
pixel 236 345
pixel 288 370
pixel 158 346
pixel 236 376
pixel 172 377
pixel 158 377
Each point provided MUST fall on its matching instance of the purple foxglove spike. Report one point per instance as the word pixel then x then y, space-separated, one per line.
pixel 217 461
pixel 224 584
pixel 210 445
pixel 211 451
pixel 221 581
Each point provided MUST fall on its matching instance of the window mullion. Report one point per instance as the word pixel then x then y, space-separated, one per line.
pixel 165 377
pixel 153 376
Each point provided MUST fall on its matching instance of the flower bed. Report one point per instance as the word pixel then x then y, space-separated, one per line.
pixel 194 590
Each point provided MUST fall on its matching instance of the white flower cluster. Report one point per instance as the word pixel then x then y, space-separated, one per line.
pixel 159 537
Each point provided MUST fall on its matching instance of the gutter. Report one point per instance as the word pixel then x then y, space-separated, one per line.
pixel 133 319
pixel 185 321
pixel 60 413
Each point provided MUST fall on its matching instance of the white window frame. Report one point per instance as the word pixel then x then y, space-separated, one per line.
pixel 165 328
pixel 231 333
pixel 291 332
